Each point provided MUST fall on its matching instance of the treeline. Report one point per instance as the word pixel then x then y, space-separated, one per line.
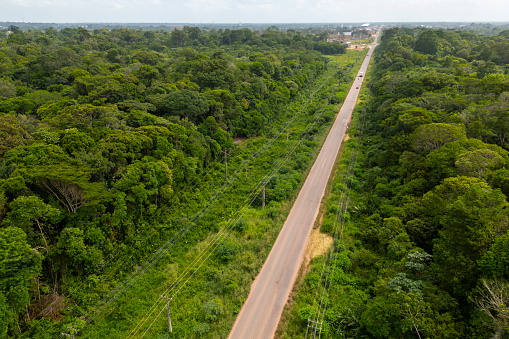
pixel 101 130
pixel 425 237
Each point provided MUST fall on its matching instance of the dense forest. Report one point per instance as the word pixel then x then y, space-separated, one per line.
pixel 419 209
pixel 112 152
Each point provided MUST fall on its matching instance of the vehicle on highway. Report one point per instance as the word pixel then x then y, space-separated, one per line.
pixel 357 87
pixel 361 74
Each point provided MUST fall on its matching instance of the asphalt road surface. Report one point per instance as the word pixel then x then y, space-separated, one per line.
pixel 260 314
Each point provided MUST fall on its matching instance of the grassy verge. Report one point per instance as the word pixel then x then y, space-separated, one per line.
pixel 294 321
pixel 211 278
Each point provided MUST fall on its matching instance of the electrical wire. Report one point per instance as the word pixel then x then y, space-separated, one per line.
pixel 241 210
pixel 121 288
pixel 330 262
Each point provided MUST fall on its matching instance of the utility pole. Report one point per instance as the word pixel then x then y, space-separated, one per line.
pixel 70 335
pixel 169 314
pixel 314 326
pixel 263 193
pixel 246 169
pixel 227 153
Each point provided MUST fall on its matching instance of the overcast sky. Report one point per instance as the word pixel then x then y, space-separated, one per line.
pixel 254 11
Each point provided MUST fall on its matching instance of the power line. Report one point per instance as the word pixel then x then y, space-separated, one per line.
pixel 266 145
pixel 314 325
pixel 125 259
pixel 216 241
pixel 71 331
pixel 306 132
pixel 329 266
pixel 339 221
pixel 263 182
pixel 120 289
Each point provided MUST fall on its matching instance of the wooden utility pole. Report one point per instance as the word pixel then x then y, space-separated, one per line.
pixel 263 193
pixel 227 153
pixel 246 169
pixel 169 313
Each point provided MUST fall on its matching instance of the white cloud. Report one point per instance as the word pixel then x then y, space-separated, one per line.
pixel 242 4
pixel 253 10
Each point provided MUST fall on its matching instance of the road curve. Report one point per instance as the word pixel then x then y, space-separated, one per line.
pixel 260 314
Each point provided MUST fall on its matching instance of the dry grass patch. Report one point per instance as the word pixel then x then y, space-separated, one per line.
pixel 319 243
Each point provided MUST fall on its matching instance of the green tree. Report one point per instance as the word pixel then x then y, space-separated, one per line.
pixel 213 309
pixel 428 42
pixel 185 103
pixel 478 162
pixel 18 266
pixel 7 89
pixel 75 141
pixel 495 262
pixel 178 37
pixel 27 209
pixel 395 315
pixel 433 136
pixel 72 249
pixel 14 131
pixel 470 225
pixel 147 182
pixel 416 116
pixel 50 168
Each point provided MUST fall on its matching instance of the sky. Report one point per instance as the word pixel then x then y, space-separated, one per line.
pixel 253 11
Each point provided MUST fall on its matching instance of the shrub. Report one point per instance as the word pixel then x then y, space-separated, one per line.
pixel 227 250
pixel 213 309
pixel 201 329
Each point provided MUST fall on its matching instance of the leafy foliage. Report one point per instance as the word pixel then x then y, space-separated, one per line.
pixel 110 143
pixel 426 228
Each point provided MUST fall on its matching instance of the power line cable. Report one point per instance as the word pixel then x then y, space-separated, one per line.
pixel 330 262
pixel 217 243
pixel 113 295
pixel 244 207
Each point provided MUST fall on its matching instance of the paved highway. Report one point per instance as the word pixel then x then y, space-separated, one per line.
pixel 259 316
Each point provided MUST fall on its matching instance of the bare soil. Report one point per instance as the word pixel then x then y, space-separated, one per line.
pixel 239 140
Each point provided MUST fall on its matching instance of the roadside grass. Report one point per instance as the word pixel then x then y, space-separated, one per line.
pixel 294 321
pixel 295 317
pixel 207 304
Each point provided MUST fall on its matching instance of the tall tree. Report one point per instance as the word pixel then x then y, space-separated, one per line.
pixel 25 210
pixel 185 103
pixel 18 266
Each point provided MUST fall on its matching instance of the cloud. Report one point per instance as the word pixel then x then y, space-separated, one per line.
pixel 243 4
pixel 79 3
pixel 253 10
